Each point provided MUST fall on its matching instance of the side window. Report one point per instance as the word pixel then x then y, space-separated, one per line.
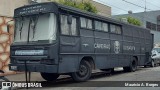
pixel 68 29
pixel 105 27
pixel 101 26
pixel 115 29
pixel 64 25
pixel 86 23
pixel 74 26
pixel 98 25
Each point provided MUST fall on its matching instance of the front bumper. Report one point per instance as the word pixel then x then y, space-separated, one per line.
pixel 34 68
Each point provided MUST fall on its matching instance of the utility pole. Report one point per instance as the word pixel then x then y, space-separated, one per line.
pixel 144 14
pixel 145 6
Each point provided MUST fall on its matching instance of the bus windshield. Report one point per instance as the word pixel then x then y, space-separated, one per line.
pixel 35 28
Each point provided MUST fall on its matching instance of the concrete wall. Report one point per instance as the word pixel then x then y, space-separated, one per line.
pixel 5 42
pixel 156 37
pixel 7 6
pixel 102 9
pixel 143 17
pixel 6 13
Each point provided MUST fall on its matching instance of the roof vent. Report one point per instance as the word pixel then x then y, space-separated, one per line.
pixel 34 1
pixel 124 20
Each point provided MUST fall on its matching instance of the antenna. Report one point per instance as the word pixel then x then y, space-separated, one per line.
pixel 145 7
pixel 144 14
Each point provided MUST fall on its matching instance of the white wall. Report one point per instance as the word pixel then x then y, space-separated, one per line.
pixel 7 6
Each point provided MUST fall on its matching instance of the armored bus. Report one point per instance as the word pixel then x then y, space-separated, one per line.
pixel 54 39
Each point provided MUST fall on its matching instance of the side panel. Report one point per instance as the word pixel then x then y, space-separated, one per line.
pixel 116 50
pixel 69 48
pixel 87 41
pixel 68 63
pixel 102 46
pixel 107 49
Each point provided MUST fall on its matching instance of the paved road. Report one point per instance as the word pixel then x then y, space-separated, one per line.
pixel 142 74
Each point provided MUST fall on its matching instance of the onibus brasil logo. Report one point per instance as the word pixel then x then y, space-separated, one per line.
pixel 6 85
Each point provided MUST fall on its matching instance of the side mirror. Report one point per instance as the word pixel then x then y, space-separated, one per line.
pixel 8 28
pixel 69 19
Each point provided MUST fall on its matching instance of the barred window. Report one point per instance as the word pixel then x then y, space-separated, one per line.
pixel 115 29
pixel 101 26
pixel 68 29
pixel 86 23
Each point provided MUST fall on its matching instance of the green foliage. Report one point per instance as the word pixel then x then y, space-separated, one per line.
pixel 87 6
pixel 134 21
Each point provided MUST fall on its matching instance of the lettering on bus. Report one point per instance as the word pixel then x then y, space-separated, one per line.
pixel 33 9
pixel 129 48
pixel 102 46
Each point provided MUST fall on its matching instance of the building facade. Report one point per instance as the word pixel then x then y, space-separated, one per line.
pixel 150 20
pixel 7 6
pixel 103 10
pixel 6 13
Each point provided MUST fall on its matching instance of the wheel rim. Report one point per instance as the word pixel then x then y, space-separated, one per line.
pixel 82 71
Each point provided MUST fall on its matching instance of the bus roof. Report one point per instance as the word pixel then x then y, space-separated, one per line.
pixel 49 7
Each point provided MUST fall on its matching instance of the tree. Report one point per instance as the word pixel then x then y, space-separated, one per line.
pixel 132 20
pixel 87 6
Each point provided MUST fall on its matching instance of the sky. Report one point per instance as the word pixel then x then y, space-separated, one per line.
pixel 123 6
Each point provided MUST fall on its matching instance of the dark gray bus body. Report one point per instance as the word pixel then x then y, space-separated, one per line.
pixel 103 49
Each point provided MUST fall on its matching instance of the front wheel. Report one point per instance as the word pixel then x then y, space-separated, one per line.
pixel 50 76
pixel 84 72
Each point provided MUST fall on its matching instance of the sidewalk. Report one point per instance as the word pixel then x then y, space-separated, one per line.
pixel 35 76
pixel 21 77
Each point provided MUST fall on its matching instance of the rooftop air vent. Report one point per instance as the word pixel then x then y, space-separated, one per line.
pixel 34 1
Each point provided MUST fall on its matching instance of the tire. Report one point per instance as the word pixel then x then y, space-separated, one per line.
pixel 50 76
pixel 126 69
pixel 145 66
pixel 132 67
pixel 152 63
pixel 84 72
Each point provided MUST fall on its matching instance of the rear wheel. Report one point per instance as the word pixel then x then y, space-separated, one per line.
pixel 132 67
pixel 84 72
pixel 50 76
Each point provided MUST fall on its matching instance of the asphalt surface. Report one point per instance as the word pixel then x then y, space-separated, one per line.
pixel 100 80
